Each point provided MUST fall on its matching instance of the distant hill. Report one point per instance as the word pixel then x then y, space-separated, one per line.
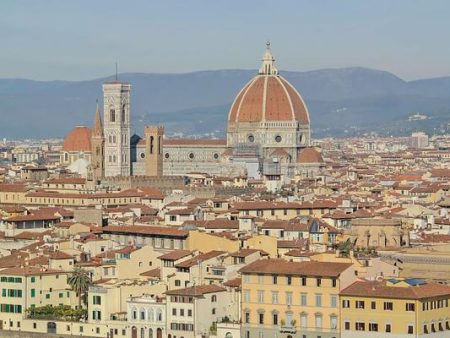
pixel 348 101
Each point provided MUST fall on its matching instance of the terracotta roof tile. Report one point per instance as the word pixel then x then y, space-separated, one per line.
pixel 282 267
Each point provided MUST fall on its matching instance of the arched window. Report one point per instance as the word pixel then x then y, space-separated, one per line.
pixel 318 320
pixel 112 115
pixel 123 112
pixel 159 315
pixel 151 144
pixel 134 313
pixel 213 311
pixel 228 335
pixel 66 157
pixel 150 333
pixel 213 298
pixel 142 314
pixel 142 333
pixel 151 315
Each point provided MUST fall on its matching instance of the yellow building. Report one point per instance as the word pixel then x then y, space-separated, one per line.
pixel 292 299
pixel 395 308
pixel 207 242
pixel 26 287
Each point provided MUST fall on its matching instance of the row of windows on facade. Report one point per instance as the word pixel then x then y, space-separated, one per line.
pixel 150 332
pixel 272 212
pixel 182 312
pixel 261 335
pixel 181 327
pixel 80 328
pixel 150 314
pixel 290 322
pixel 81 200
pixel 374 327
pixel 112 115
pixel 156 242
pixel 389 306
pixel 289 298
pixel 290 280
pixel 277 138
pixel 191 156
pixel 6 279
pixel 113 158
pixel 17 293
pixel 112 139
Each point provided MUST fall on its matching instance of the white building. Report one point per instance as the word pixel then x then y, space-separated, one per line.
pixel 147 316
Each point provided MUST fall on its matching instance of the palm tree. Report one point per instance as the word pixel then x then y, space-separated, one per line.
pixel 345 248
pixel 80 281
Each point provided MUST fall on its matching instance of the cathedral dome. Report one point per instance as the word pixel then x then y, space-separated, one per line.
pixel 79 139
pixel 268 97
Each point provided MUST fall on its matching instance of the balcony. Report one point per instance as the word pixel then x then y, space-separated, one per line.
pixel 288 329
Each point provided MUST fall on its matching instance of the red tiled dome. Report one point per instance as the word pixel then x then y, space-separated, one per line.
pixel 309 155
pixel 79 139
pixel 268 98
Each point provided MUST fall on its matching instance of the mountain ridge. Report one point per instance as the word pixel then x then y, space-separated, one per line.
pixel 339 100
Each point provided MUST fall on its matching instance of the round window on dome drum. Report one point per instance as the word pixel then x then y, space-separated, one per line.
pixel 142 155
pixel 167 155
pixel 278 138
pixel 191 156
pixel 216 156
pixel 251 138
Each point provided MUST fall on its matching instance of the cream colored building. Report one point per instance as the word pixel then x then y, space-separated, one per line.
pixel 291 299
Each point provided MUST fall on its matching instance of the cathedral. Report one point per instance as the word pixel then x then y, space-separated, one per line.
pixel 268 135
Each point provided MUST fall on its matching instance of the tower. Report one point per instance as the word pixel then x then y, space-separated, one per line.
pixel 97 148
pixel 153 150
pixel 116 119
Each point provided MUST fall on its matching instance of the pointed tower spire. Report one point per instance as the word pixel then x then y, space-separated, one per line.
pixel 268 62
pixel 98 127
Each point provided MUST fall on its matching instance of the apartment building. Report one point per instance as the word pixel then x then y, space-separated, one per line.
pixel 192 311
pixel 27 287
pixel 292 299
pixel 400 308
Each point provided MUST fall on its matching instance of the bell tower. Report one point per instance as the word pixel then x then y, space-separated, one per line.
pixel 116 118
pixel 97 148
pixel 153 150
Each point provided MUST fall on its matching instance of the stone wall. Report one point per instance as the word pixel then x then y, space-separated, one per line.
pixel 23 334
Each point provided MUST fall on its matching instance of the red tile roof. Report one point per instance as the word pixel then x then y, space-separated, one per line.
pixel 196 291
pixel 146 230
pixel 379 289
pixel 282 267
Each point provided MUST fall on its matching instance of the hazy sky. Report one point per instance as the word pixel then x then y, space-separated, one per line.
pixel 82 39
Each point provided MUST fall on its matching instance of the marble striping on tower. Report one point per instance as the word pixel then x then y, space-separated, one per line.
pixel 116 106
pixel 268 135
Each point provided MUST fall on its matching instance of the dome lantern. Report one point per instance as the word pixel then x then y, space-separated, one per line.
pixel 268 63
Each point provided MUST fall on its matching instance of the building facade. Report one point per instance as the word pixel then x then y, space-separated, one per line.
pixel 268 131
pixel 395 308
pixel 292 299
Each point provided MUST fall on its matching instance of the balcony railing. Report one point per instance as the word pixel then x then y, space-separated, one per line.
pixel 288 329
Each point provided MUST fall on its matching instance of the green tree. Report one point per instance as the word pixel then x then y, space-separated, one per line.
pixel 345 248
pixel 79 280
